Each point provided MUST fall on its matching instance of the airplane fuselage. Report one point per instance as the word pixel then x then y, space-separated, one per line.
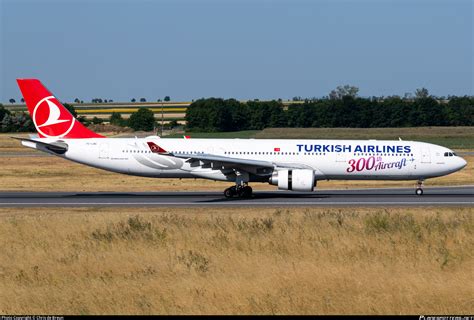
pixel 329 159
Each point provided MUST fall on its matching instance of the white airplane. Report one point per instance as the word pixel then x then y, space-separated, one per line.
pixel 289 164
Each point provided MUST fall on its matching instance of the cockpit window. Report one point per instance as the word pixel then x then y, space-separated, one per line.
pixel 454 154
pixel 446 154
pixel 449 154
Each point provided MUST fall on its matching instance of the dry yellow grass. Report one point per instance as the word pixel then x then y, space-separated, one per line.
pixel 127 115
pixel 214 261
pixel 127 110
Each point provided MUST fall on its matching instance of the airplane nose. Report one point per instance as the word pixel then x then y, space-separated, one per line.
pixel 463 163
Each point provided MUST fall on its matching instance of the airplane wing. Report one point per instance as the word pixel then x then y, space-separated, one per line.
pixel 206 160
pixel 230 161
pixel 56 147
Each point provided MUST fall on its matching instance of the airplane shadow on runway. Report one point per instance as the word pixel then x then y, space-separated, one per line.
pixel 464 195
pixel 256 195
pixel 338 195
pixel 217 196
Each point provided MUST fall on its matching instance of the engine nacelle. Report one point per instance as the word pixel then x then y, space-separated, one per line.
pixel 296 180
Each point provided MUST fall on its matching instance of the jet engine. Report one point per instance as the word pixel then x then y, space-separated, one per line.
pixel 296 179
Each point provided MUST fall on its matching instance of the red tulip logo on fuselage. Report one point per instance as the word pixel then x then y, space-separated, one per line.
pixel 51 120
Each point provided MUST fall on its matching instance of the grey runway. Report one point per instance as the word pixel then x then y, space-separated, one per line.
pixel 434 196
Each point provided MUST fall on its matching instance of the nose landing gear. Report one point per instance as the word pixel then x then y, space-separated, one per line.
pixel 419 188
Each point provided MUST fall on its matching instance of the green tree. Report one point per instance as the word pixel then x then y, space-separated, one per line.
pixel 460 111
pixel 84 120
pixel 133 100
pixel 71 109
pixel 205 115
pixel 17 122
pixel 143 119
pixel 12 100
pixel 421 93
pixel 96 120
pixel 116 119
pixel 3 112
pixel 343 91
pixel 428 112
pixel 167 98
pixel 142 100
pixel 173 123
pixel 392 111
pixel 240 116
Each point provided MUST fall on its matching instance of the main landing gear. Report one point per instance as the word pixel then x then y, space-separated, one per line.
pixel 241 191
pixel 241 188
pixel 419 188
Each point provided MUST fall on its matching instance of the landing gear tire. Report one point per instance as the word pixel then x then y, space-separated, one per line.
pixel 245 192
pixel 230 192
pixel 419 191
pixel 241 192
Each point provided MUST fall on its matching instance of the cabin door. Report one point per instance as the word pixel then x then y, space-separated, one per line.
pixel 104 150
pixel 425 154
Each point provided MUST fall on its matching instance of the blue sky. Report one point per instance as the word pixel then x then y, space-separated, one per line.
pixel 243 49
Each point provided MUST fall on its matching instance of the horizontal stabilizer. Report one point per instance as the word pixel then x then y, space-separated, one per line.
pixel 56 147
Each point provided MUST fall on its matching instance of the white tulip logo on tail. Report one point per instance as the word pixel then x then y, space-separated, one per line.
pixel 50 120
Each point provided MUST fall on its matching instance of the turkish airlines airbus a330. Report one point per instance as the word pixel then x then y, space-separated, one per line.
pixel 289 164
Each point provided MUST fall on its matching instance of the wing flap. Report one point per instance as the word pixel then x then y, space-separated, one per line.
pixel 224 160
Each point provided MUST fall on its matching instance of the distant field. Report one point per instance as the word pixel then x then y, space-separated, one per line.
pixel 175 110
pixel 236 261
pixel 104 110
pixel 148 104
pixel 167 116
pixel 128 110
pixel 79 106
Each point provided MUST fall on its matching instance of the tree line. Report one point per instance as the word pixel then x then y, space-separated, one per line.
pixel 15 122
pixel 21 121
pixel 215 114
pixel 341 108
